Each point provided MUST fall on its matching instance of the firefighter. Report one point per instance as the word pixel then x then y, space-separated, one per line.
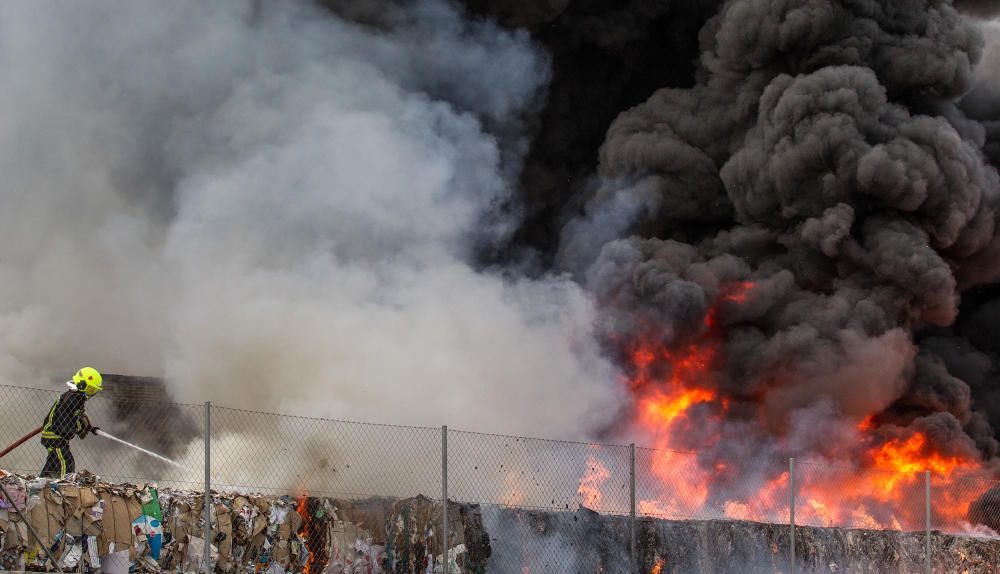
pixel 65 419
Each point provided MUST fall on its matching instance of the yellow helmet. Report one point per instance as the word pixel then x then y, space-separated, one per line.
pixel 88 380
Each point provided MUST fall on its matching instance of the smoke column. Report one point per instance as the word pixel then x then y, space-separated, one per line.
pixel 820 203
pixel 276 208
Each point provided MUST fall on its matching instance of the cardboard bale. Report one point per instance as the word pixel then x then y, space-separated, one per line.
pixel 46 516
pixel 222 536
pixel 249 533
pixel 72 510
pixel 133 508
pixel 115 532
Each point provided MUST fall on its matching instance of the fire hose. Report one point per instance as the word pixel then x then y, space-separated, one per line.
pixel 20 441
pixel 98 432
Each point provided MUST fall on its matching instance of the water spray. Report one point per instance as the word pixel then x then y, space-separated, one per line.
pixel 139 448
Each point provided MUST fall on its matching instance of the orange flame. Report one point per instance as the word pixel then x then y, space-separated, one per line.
pixel 735 293
pixel 303 511
pixel 873 484
pixel 664 408
pixel 910 456
pixel 867 424
pixel 590 485
pixel 666 401
pixel 658 566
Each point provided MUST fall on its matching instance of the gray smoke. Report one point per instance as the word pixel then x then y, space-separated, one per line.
pixel 821 156
pixel 276 209
pixel 978 7
pixel 286 207
pixel 983 102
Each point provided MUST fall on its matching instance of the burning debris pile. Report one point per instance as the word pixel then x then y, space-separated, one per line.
pixel 126 528
pixel 789 256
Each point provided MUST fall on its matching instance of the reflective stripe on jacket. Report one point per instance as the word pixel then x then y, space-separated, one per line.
pixel 63 420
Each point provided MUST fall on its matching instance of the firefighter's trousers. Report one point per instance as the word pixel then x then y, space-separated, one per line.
pixel 60 461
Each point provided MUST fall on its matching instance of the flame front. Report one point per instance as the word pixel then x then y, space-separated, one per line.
pixel 911 456
pixel 875 483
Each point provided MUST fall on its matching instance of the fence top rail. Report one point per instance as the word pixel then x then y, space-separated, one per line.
pixel 217 407
pixel 537 439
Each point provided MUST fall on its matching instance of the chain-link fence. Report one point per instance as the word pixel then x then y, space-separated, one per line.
pixel 296 494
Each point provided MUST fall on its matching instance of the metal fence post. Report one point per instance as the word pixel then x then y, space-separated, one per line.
pixel 633 566
pixel 444 500
pixel 207 554
pixel 927 497
pixel 79 565
pixel 791 512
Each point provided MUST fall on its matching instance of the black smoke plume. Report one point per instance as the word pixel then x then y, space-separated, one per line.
pixel 838 155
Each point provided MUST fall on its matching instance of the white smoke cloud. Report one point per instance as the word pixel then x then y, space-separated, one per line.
pixel 275 208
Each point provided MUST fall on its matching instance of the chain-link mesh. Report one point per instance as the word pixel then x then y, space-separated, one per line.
pixel 540 501
pixel 965 505
pixel 295 494
pixel 280 454
pixel 360 491
pixel 679 485
pixel 97 502
pixel 65 444
pixel 23 410
pixel 829 495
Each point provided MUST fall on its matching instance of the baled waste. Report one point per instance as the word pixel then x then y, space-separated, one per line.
pixel 126 527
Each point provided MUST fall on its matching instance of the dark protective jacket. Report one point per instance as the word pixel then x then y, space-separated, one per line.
pixel 66 417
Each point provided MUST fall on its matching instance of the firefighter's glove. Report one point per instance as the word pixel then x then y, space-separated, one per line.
pixel 85 427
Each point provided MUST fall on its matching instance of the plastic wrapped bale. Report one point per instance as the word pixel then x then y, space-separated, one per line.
pixel 345 550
